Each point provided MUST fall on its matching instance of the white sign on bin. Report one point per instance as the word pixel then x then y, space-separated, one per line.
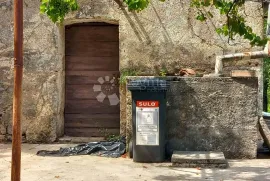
pixel 147 123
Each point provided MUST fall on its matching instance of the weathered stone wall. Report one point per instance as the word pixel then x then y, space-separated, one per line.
pixel 211 114
pixel 166 35
pixel 42 69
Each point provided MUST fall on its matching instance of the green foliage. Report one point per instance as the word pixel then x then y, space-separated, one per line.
pixel 125 73
pixel 266 80
pixel 235 24
pixel 112 138
pixel 56 10
pixel 163 72
pixel 138 5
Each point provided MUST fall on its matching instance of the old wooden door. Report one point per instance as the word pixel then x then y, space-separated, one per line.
pixel 92 70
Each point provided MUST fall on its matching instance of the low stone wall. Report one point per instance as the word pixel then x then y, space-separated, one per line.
pixel 210 114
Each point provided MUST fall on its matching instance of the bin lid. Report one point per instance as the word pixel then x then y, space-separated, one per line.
pixel 266 114
pixel 148 84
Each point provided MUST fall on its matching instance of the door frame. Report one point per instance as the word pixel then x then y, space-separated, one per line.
pixel 60 124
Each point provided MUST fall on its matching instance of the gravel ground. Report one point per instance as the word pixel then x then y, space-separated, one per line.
pixel 86 168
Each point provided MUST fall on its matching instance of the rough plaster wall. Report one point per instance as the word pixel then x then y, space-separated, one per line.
pixel 164 35
pixel 214 114
pixel 211 114
pixel 41 71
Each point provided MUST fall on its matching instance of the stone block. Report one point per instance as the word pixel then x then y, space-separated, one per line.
pixel 243 73
pixel 198 157
pixel 203 159
pixel 201 165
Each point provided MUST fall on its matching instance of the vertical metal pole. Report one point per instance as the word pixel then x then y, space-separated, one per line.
pixel 17 94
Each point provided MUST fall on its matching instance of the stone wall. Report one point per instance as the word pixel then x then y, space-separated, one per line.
pixel 211 114
pixel 41 109
pixel 166 35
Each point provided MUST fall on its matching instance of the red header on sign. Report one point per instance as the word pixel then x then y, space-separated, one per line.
pixel 147 103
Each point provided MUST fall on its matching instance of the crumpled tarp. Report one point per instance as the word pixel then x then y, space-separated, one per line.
pixel 112 149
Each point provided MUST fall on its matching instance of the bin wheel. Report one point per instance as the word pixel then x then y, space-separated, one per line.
pixel 130 149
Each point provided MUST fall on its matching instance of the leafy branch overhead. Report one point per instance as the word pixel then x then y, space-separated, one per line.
pixel 138 5
pixel 235 23
pixel 56 10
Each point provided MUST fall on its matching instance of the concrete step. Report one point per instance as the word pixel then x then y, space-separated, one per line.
pixel 69 139
pixel 203 159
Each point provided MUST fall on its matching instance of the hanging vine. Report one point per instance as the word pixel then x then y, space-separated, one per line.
pixel 235 23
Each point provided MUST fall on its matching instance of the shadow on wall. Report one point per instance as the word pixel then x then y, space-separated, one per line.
pixel 213 115
pixel 166 35
pixel 140 27
pixel 155 49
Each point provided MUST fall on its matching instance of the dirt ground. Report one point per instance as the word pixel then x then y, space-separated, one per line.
pixel 88 168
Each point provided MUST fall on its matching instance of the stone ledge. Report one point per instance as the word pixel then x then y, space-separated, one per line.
pixel 193 165
pixel 193 159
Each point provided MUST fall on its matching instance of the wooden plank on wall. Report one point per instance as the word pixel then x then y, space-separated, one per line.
pixel 87 91
pixel 97 49
pixel 90 107
pixel 92 120
pixel 92 33
pixel 89 77
pixel 92 63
